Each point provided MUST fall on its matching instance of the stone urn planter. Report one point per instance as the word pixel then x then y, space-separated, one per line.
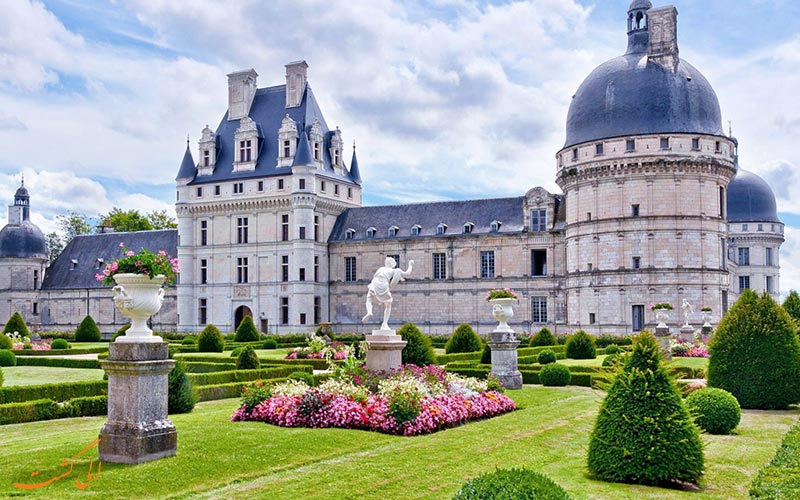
pixel 706 319
pixel 503 311
pixel 138 297
pixel 662 315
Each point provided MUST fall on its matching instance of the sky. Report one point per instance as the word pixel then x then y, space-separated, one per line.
pixel 445 99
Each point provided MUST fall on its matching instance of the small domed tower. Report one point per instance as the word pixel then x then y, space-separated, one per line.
pixel 644 169
pixel 23 259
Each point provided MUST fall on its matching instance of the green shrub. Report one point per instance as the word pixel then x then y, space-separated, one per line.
pixel 606 340
pixel 1 378
pixel 581 345
pixel 612 359
pixel 486 355
pixel 780 479
pixel 17 324
pixel 61 362
pixel 5 342
pixel 57 392
pixel 7 358
pixel 189 340
pixel 543 337
pixel 613 349
pixel 792 305
pixel 87 331
pixel 124 328
pixel 248 359
pixel 643 433
pixel 546 357
pixel 511 484
pixel 236 352
pixel 715 411
pixel 247 331
pixel 304 376
pixel 210 340
pixel 418 350
pixel 59 344
pixel 181 397
pixel 270 344
pixel 555 375
pixel 464 339
pixel 755 354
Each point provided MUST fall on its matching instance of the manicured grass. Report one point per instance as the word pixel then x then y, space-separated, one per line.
pixel 37 375
pixel 690 362
pixel 598 361
pixel 220 459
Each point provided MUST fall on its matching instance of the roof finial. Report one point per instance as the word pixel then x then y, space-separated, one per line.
pixel 354 144
pixel 730 129
pixel 187 140
pixel 23 180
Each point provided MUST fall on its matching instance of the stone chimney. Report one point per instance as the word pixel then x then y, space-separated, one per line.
pixel 241 90
pixel 662 27
pixel 296 77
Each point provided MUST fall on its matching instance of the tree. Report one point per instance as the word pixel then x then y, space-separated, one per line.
pixel 181 397
pixel 124 221
pixel 160 220
pixel 54 245
pixel 69 226
pixel 792 305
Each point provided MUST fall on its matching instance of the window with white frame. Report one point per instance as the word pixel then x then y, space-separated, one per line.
pixel 203 271
pixel 539 309
pixel 392 231
pixel 744 256
pixel 416 229
pixel 396 258
pixel 468 227
pixel 350 269
pixel 495 226
pixel 241 270
pixel 348 235
pixel 768 256
pixel 241 230
pixel 439 266
pixel 370 232
pixel 487 264
pixel 538 220
pixel 744 283
pixel 441 229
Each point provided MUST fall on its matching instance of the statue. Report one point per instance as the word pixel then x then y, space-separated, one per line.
pixel 687 311
pixel 379 289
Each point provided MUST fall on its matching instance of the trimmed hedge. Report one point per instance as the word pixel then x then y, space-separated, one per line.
pixel 418 350
pixel 208 359
pixel 201 379
pixel 57 352
pixel 534 351
pixel 528 376
pixel 59 344
pixel 555 375
pixel 580 345
pixel 47 409
pixel 87 331
pixel 57 392
pixel 58 362
pixel 210 340
pixel 543 337
pixel 229 390
pixel 781 477
pixel 192 367
pixel 5 342
pixel 443 359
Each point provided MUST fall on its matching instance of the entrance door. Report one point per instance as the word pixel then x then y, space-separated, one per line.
pixel 637 313
pixel 240 314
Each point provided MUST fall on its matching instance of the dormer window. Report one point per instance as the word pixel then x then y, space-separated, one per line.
pixel 98 263
pixel 246 140
pixel 495 226
pixel 468 227
pixel 73 264
pixel 335 147
pixel 441 229
pixel 287 141
pixel 370 232
pixel 392 232
pixel 316 138
pixel 348 235
pixel 245 150
pixel 415 230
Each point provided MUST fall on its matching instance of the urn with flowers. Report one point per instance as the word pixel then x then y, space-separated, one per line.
pixel 662 313
pixel 502 301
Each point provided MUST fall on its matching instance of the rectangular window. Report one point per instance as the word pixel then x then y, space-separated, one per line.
pixel 349 269
pixel 199 192
pixel 317 310
pixel 284 310
pixel 206 158
pixel 439 266
pixel 598 149
pixel 744 283
pixel 302 232
pixel 280 183
pixel 630 145
pixel 696 143
pixel 349 192
pixel 316 268
pixel 744 256
pixel 665 143
pixel 761 227
pixel 216 190
pixel 36 279
pixel 241 270
pixel 202 309
pixel 316 228
pixel 284 268
pixel 203 232
pixel 287 150
pixel 336 157
pixel 396 258
pixel 539 309
pixel 203 271
pixel 285 227
pixel 635 210
pixel 302 318
pixel 302 273
pixel 487 264
pixel 241 230
pixel 589 266
pixel 245 150
pixel 316 151
pixel 35 310
pixel 589 216
pixel 637 262
pixel 538 262
pixel 238 187
pixel 538 220
pixel 769 285
pixel 260 185
pixel 592 318
pixel 768 256
pixel 302 183
pixel 637 317
pixel 336 189
pixel 322 186
pixel 722 202
pixel 717 147
pixel 745 227
pixel 574 154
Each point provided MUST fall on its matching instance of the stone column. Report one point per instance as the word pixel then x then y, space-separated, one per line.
pixel 504 359
pixel 384 350
pixel 138 428
pixel 663 336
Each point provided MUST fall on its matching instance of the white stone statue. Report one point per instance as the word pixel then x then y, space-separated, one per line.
pixel 688 310
pixel 379 289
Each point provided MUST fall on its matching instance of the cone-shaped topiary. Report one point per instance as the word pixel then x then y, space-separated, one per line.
pixel 543 337
pixel 464 339
pixel 210 340
pixel 181 397
pixel 755 354
pixel 643 432
pixel 581 345
pixel 247 332
pixel 17 324
pixel 124 328
pixel 248 359
pixel 418 350
pixel 486 355
pixel 5 342
pixel 715 411
pixel 87 331
pixel 792 305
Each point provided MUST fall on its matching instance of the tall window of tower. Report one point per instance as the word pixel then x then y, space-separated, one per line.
pixel 316 268
pixel 439 266
pixel 302 183
pixel 768 256
pixel 635 210
pixel 336 157
pixel 637 262
pixel 574 154
pixel 238 187
pixel 350 269
pixel 316 151
pixel 539 309
pixel 285 227
pixel 203 233
pixel 316 228
pixel 302 274
pixel 598 149
pixel 284 268
pixel 241 270
pixel 744 256
pixel 538 262
pixel 200 192
pixel 203 271
pixel 216 190
pixel 722 201
pixel 284 310
pixel 696 143
pixel 487 264
pixel 241 230
pixel 769 285
pixel 302 232
pixel 35 279
pixel 317 310
pixel 202 310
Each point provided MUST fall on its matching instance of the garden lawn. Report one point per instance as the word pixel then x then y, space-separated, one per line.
pixel 261 353
pixel 37 375
pixel 220 459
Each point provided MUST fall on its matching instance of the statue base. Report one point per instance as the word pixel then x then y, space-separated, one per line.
pixel 384 350
pixel 687 334
pixel 663 336
pixel 504 359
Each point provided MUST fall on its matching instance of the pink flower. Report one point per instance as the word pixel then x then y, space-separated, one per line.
pixel 130 253
pixel 121 245
pixel 99 277
pixel 162 252
pixel 114 266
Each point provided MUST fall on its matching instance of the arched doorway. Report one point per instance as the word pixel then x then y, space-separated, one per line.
pixel 240 314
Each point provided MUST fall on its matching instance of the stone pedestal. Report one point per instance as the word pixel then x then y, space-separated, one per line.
pixel 687 334
pixel 504 359
pixel 384 350
pixel 138 428
pixel 663 336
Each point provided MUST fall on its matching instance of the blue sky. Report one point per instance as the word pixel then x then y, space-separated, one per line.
pixel 446 99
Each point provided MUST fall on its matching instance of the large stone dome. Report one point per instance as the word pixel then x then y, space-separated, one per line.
pixel 750 199
pixel 24 241
pixel 635 95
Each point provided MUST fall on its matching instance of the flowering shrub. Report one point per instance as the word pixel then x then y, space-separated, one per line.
pixel 318 349
pixel 501 293
pixel 661 305
pixel 18 342
pixel 683 349
pixel 144 262
pixel 409 401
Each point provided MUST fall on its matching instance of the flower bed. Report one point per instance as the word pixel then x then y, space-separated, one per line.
pixel 318 348
pixel 20 343
pixel 412 400
pixel 684 349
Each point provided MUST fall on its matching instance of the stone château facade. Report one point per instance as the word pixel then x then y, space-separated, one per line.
pixel 654 208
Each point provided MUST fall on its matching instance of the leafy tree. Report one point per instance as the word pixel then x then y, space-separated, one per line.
pixel 124 221
pixel 246 331
pixel 159 219
pixel 54 245
pixel 644 433
pixel 792 305
pixel 69 226
pixel 17 324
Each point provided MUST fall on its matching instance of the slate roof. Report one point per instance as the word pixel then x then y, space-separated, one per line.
pixel 23 241
pixel 267 111
pixel 187 169
pixel 84 250
pixel 750 199
pixel 508 211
